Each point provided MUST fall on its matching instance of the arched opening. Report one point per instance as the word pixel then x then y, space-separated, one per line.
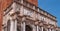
pixel 44 29
pixel 28 28
pixel 8 25
pixel 40 29
pixel 18 29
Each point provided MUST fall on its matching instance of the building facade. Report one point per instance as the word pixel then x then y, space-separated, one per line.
pixel 25 15
pixel 58 29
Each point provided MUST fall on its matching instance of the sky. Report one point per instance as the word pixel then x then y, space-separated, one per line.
pixel 51 6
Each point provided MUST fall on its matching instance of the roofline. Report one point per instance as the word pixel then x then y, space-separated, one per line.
pixel 47 12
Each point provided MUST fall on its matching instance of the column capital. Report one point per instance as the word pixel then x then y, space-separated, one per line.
pixel 40 24
pixel 36 22
pixel 23 19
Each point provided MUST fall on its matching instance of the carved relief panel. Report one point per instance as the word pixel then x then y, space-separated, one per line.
pixel 28 12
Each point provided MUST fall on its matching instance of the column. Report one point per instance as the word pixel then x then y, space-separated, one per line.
pixel 12 26
pixel 42 28
pixel 23 26
pixel 49 29
pixel 34 28
pixel 53 30
pixel 14 7
pixel 37 28
pixel 15 25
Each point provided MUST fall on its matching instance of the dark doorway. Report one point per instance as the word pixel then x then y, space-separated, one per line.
pixel 18 29
pixel 8 25
pixel 44 29
pixel 28 28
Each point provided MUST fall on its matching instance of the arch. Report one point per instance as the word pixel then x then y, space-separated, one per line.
pixel 28 28
pixel 8 25
pixel 44 29
pixel 18 29
pixel 39 28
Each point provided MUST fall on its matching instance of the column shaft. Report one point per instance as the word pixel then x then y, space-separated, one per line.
pixel 12 26
pixel 49 29
pixel 37 28
pixel 42 28
pixel 15 25
pixel 23 26
pixel 34 28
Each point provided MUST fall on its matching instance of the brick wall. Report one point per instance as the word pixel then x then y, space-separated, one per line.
pixel 0 15
pixel 3 5
pixel 35 2
pixel 6 3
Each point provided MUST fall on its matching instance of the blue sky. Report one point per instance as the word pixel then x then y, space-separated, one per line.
pixel 51 6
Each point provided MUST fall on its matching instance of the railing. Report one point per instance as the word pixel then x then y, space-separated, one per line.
pixel 29 5
pixel 35 8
